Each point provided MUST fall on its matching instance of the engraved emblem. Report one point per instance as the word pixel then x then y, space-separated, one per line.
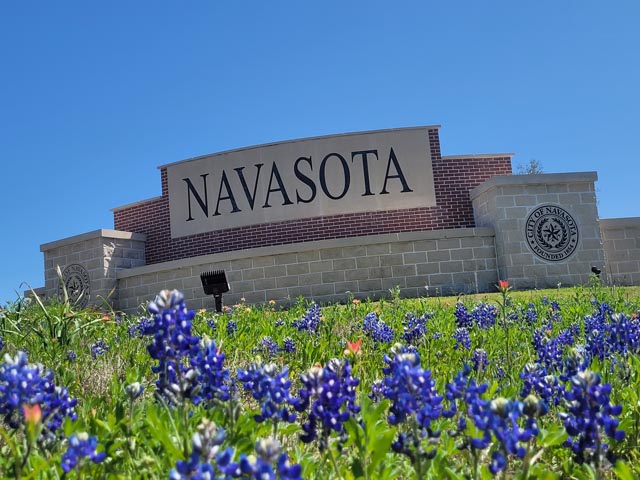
pixel 551 233
pixel 75 279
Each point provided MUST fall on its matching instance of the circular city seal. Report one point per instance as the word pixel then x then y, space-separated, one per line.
pixel 76 281
pixel 552 233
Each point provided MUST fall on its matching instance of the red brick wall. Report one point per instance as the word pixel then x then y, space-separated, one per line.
pixel 453 178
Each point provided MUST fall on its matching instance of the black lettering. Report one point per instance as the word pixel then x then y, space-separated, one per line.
pixel 204 204
pixel 276 174
pixel 224 182
pixel 365 168
pixel 323 177
pixel 250 198
pixel 304 179
pixel 399 175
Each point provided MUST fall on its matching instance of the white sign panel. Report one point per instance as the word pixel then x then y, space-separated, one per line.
pixel 360 172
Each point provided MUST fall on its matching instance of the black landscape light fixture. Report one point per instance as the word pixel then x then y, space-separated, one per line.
pixel 215 283
pixel 596 271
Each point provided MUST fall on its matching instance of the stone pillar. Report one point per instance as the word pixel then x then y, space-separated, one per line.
pixel 89 262
pixel 546 227
pixel 621 239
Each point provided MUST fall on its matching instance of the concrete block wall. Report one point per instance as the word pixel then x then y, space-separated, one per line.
pixel 621 240
pixel 447 261
pixel 504 202
pixel 101 252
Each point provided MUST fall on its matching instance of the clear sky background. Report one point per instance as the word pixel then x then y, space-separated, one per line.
pixel 95 95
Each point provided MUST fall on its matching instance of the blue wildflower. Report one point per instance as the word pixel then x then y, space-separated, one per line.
pixel 462 338
pixel 232 327
pixel 411 389
pixel 22 383
pixel 415 328
pixel 81 446
pixel 212 324
pixel 589 417
pixel 270 388
pixel 377 329
pixel 484 315
pixel 536 380
pixel 329 394
pixel 463 318
pixel 212 378
pixel 479 360
pixel 310 322
pixel 172 345
pixel 288 345
pixel 268 347
pixel 99 348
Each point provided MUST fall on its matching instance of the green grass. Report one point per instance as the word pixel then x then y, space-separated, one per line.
pixel 145 438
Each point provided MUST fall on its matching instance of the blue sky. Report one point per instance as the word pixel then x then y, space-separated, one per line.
pixel 95 95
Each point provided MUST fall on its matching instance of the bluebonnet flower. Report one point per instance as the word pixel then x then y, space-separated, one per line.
pixel 270 388
pixel 71 356
pixel 22 383
pixel 288 345
pixel 589 417
pixel 377 329
pixel 479 360
pixel 549 350
pixel 279 322
pixel 330 395
pixel 1 343
pixel 209 461
pixel 530 314
pixel 232 327
pixel 462 338
pixel 505 424
pixel 436 335
pixel 212 324
pixel 410 388
pixel 172 345
pixel 81 446
pixel 464 394
pixel 544 301
pixel 484 315
pixel 206 445
pixel 377 389
pixel 536 380
pixel 134 390
pixel 415 328
pixel 566 337
pixel 624 334
pixel 261 467
pixel 609 333
pixel 463 319
pixel 310 322
pixel 212 377
pixel 268 347
pixel 132 331
pixel 99 348
pixel 510 422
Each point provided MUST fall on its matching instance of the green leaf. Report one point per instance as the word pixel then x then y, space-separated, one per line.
pixel 623 471
pixel 454 475
pixel 554 436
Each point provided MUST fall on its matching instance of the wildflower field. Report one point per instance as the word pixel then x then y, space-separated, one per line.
pixel 509 385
